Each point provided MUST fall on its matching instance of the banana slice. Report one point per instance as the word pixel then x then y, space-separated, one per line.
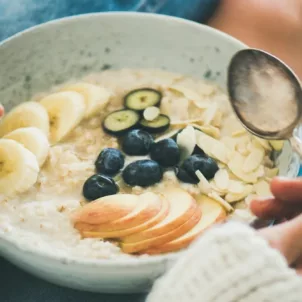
pixel 32 139
pixel 96 97
pixel 28 114
pixel 65 110
pixel 19 167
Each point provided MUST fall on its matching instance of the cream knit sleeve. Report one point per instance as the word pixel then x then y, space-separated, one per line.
pixel 229 263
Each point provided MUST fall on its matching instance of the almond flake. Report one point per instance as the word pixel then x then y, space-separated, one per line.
pixel 231 197
pixel 186 92
pixel 222 179
pixel 217 120
pixel 243 215
pixel 262 142
pixel 167 135
pixel 249 198
pixel 236 164
pixel 151 113
pixel 177 110
pixel 236 187
pixel 186 140
pixel 217 190
pixel 221 201
pixel 229 142
pixel 253 160
pixel 262 188
pixel 271 172
pixel 238 133
pixel 277 144
pixel 210 113
pixel 185 122
pixel 212 147
pixel 203 184
pixel 210 130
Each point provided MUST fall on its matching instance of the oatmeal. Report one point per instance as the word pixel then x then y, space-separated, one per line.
pixel 162 154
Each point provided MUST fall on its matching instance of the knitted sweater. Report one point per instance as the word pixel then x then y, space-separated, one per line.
pixel 229 264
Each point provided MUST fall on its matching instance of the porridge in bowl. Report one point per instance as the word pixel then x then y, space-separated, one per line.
pixel 127 162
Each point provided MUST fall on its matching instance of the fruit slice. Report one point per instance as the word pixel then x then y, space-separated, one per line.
pixel 135 247
pixel 18 167
pixel 28 114
pixel 144 226
pixel 96 97
pixel 106 209
pixel 65 111
pixel 158 125
pixel 149 205
pixel 212 213
pixel 182 207
pixel 32 139
pixel 142 98
pixel 119 122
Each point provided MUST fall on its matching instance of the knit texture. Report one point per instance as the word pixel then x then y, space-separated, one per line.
pixel 230 263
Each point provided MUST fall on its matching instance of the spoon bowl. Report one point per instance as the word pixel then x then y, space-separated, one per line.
pixel 265 94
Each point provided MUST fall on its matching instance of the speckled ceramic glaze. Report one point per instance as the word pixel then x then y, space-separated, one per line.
pixel 36 59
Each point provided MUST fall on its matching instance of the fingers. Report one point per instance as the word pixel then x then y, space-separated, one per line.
pixel 272 208
pixel 286 238
pixel 289 190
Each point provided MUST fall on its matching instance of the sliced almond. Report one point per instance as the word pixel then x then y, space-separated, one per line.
pixel 248 199
pixel 262 142
pixel 210 113
pixel 212 147
pixel 222 179
pixel 203 184
pixel 236 164
pixel 186 140
pixel 271 172
pixel 210 130
pixel 243 216
pixel 238 133
pixel 220 192
pixel 186 122
pixel 217 120
pixel 231 197
pixel 268 162
pixel 221 201
pixel 253 160
pixel 177 110
pixel 186 92
pixel 277 144
pixel 167 135
pixel 229 142
pixel 262 188
pixel 236 187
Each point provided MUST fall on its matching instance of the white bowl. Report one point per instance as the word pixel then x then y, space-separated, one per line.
pixel 38 58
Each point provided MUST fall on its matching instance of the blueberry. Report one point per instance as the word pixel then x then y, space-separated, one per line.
pixel 98 186
pixel 142 173
pixel 165 152
pixel 110 161
pixel 198 151
pixel 137 142
pixel 183 176
pixel 206 165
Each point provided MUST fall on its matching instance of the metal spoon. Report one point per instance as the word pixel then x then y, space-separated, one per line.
pixel 266 96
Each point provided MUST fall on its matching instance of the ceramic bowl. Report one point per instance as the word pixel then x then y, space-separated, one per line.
pixel 46 55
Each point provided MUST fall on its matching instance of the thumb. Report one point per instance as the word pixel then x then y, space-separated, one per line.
pixel 286 238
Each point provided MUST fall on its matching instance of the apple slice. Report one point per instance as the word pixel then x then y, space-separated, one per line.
pixel 182 207
pixel 125 232
pixel 106 209
pixel 131 248
pixel 149 205
pixel 212 212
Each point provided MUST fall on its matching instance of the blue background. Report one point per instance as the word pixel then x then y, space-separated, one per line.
pixel 17 15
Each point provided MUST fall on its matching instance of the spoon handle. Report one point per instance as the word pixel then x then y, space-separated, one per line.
pixel 296 144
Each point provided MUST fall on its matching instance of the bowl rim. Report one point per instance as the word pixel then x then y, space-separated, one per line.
pixel 114 262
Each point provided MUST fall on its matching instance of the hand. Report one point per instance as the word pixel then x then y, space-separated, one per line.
pixel 274 26
pixel 286 203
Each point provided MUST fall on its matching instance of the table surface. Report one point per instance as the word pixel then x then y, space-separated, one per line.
pixel 19 286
